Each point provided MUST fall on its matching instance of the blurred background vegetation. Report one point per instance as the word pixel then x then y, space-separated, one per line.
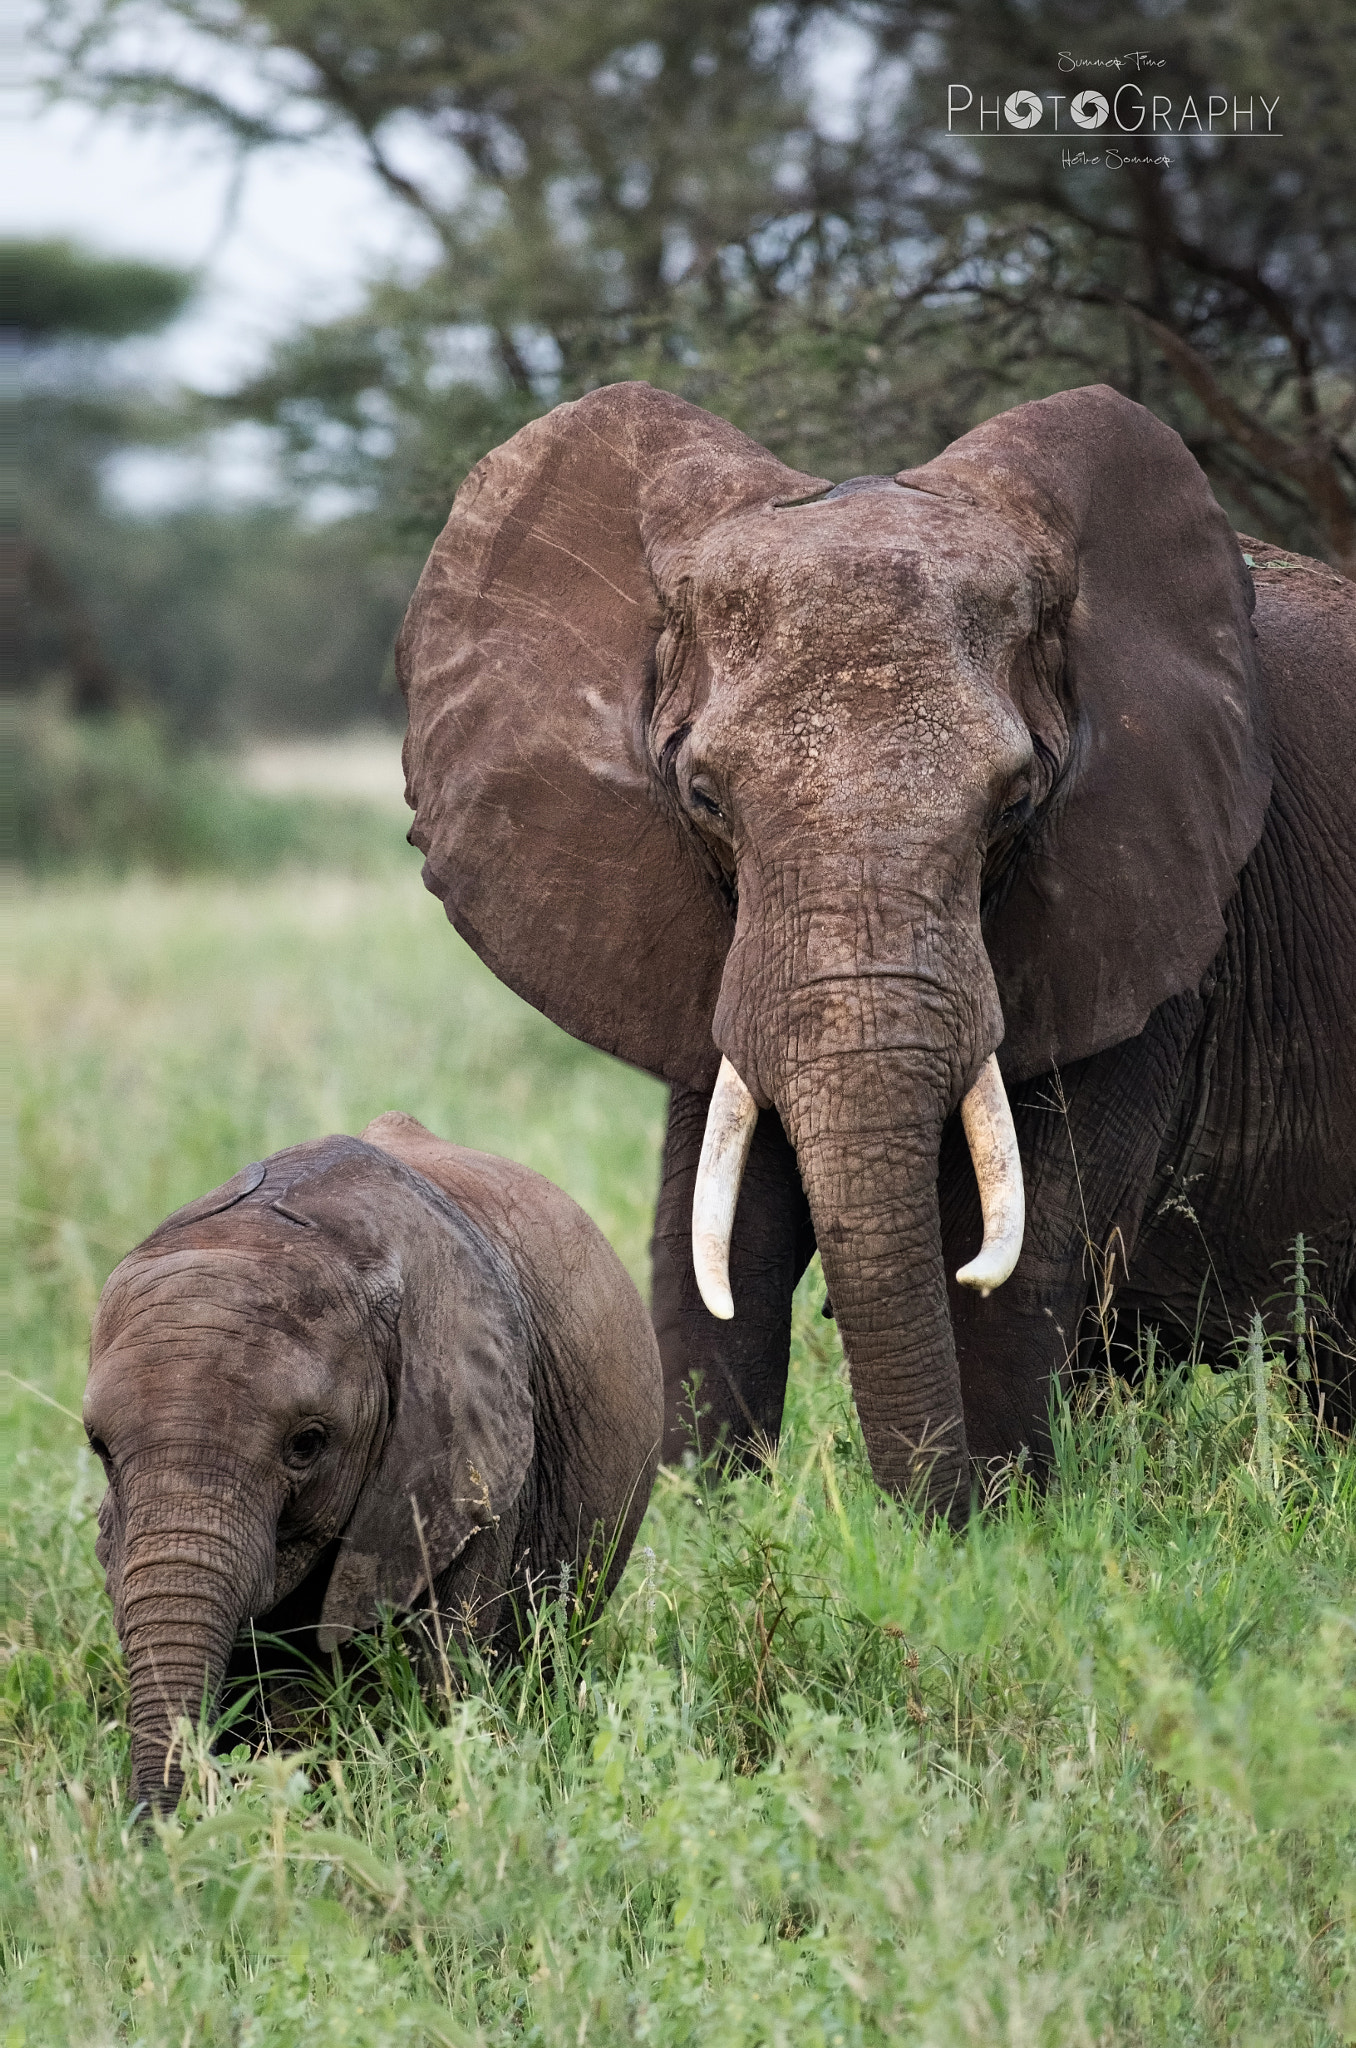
pixel 755 205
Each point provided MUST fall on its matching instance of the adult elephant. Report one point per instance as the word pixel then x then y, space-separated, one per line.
pixel 817 798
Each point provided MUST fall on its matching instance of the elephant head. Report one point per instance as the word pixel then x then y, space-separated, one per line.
pixel 323 1356
pixel 830 795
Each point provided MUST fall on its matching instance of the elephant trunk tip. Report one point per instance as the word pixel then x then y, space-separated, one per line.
pixel 987 1118
pixel 730 1125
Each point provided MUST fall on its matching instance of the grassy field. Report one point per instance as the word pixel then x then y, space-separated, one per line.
pixel 1086 1774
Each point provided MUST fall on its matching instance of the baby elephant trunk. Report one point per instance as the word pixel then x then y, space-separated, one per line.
pixel 177 1635
pixel 190 1576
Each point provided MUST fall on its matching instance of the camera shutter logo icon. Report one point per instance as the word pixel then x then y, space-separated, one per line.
pixel 1089 109
pixel 1023 109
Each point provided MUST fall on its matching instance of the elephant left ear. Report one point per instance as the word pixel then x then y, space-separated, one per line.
pixel 529 661
pixel 461 1435
pixel 1118 902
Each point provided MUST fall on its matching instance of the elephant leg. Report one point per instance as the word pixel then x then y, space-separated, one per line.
pixel 740 1366
pixel 1337 1344
pixel 1092 1141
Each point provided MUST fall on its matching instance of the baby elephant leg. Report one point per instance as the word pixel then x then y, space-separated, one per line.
pixel 740 1366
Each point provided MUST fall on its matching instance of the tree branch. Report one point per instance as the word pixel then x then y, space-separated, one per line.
pixel 1310 466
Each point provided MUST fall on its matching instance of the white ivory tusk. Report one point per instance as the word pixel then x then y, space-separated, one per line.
pixel 998 1169
pixel 725 1149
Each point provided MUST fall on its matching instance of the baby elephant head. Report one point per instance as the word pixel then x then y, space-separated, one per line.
pixel 324 1355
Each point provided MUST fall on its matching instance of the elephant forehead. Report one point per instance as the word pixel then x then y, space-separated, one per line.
pixel 864 575
pixel 189 1387
pixel 222 1296
pixel 858 662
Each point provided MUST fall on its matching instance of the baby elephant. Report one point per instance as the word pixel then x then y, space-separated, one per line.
pixel 365 1367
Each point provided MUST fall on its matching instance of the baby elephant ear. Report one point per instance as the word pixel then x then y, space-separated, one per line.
pixel 1118 901
pixel 527 658
pixel 225 1197
pixel 460 1439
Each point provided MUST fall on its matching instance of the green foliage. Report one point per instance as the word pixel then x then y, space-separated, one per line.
pixel 108 794
pixel 1083 1774
pixel 53 289
pixel 223 624
pixel 652 190
pixel 655 190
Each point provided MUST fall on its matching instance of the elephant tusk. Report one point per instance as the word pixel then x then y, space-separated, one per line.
pixel 725 1150
pixel 998 1169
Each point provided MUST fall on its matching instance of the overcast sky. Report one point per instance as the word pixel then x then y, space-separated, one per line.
pixel 311 225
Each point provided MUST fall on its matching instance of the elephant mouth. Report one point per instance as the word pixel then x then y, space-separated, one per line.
pixel 987 1120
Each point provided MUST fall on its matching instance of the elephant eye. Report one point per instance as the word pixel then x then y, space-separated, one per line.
pixel 701 799
pixel 1018 807
pixel 99 1448
pixel 306 1446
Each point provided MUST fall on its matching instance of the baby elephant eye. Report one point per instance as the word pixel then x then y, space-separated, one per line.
pixel 306 1446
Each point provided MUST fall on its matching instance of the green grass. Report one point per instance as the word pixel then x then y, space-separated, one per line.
pixel 110 795
pixel 1085 1774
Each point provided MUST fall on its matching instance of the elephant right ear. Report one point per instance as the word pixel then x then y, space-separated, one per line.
pixel 1119 900
pixel 527 659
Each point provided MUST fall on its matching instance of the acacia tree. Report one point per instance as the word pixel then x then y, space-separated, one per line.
pixel 1219 287
pixel 213 619
pixel 651 187
pixel 64 307
pixel 616 186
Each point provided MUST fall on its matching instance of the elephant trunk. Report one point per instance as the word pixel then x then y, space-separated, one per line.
pixel 867 1130
pixel 189 1576
pixel 177 1643
pixel 865 1016
pixel 731 1119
